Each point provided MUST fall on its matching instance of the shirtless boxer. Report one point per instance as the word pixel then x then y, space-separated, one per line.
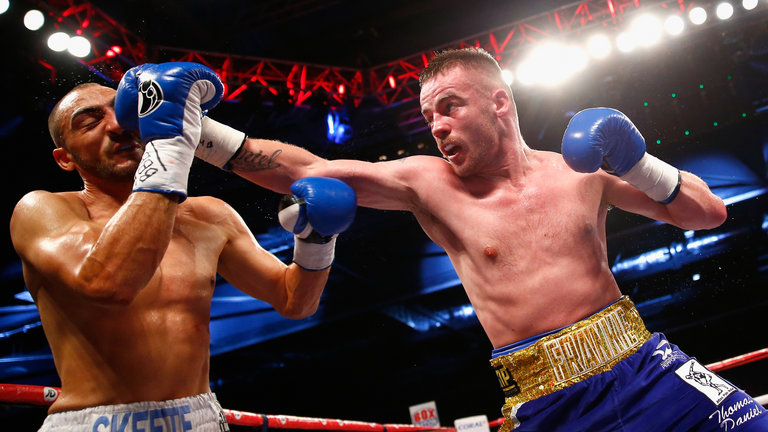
pixel 123 271
pixel 525 231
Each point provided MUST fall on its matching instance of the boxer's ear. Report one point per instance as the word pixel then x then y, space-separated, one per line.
pixel 64 159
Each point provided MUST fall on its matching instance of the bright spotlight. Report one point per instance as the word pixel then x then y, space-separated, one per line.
pixel 599 46
pixel 697 15
pixel 724 10
pixel 526 73
pixel 34 19
pixel 79 46
pixel 625 42
pixel 58 41
pixel 749 4
pixel 647 30
pixel 4 5
pixel 576 59
pixel 509 78
pixel 674 25
pixel 551 63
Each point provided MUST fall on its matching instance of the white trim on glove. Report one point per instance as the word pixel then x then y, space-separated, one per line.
pixel 658 179
pixel 314 256
pixel 164 167
pixel 218 143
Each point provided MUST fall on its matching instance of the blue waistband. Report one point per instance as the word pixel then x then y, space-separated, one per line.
pixel 516 346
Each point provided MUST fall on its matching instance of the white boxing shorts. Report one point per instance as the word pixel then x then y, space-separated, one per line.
pixel 200 413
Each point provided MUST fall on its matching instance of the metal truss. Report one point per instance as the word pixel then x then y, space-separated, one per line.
pixel 297 83
pixel 307 84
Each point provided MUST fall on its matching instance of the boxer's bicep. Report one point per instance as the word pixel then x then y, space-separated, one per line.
pixel 245 264
pixel 385 185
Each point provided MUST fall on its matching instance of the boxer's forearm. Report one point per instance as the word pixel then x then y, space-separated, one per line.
pixel 127 253
pixel 304 289
pixel 268 163
pixel 273 164
pixel 695 206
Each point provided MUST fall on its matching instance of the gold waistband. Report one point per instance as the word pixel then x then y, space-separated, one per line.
pixel 575 353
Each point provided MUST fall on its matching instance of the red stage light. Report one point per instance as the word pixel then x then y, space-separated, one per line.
pixel 116 48
pixel 237 92
pixel 341 89
pixel 391 81
pixel 110 53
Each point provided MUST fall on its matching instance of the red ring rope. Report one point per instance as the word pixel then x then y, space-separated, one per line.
pixel 39 395
pixel 738 360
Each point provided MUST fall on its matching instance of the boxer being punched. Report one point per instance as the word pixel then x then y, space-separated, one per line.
pixel 123 271
pixel 525 231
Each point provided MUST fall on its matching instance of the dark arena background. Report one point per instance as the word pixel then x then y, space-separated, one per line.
pixel 339 77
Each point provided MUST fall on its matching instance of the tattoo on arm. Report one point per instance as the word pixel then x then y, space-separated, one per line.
pixel 249 161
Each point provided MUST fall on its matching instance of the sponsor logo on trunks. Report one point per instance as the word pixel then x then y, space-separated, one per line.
pixel 733 415
pixel 663 349
pixel 667 354
pixel 160 419
pixel 508 384
pixel 150 97
pixel 700 378
pixel 591 346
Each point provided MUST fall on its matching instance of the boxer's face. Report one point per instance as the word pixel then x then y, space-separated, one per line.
pixel 94 142
pixel 460 113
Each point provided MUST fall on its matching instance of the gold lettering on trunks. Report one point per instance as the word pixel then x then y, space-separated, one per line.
pixel 591 346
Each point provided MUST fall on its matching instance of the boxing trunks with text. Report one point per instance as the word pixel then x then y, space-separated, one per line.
pixel 200 413
pixel 607 372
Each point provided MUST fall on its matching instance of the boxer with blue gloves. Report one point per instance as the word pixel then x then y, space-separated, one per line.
pixel 123 271
pixel 526 233
pixel 605 137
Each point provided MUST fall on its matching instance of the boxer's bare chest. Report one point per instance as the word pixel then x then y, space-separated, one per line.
pixel 512 222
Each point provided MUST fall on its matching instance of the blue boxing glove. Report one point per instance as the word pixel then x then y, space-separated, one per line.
pixel 166 102
pixel 319 209
pixel 604 137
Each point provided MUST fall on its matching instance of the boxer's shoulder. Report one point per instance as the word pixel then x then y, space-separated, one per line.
pixel 207 210
pixel 41 206
pixel 42 197
pixel 425 170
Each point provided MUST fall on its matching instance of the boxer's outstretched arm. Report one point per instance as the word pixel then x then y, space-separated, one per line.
pixel 276 165
pixel 59 242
